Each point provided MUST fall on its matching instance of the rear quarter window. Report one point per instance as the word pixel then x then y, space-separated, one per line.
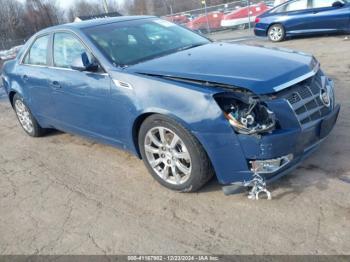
pixel 37 53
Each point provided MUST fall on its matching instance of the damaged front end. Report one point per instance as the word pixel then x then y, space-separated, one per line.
pixel 247 114
pixel 264 135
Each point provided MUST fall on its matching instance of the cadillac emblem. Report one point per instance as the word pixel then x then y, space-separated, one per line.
pixel 325 96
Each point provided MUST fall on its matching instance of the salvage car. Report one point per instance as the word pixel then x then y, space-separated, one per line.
pixel 304 17
pixel 206 22
pixel 178 19
pixel 169 101
pixel 243 16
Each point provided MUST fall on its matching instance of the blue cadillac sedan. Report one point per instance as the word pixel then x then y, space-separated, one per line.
pixel 189 107
pixel 304 17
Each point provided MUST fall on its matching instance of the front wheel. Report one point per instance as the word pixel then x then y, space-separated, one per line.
pixel 276 33
pixel 173 155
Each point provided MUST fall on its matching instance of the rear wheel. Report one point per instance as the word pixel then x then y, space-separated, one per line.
pixel 242 26
pixel 25 117
pixel 276 33
pixel 173 155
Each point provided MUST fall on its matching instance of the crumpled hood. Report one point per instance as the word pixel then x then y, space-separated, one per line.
pixel 259 69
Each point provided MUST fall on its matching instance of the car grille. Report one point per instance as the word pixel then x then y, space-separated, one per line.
pixel 305 99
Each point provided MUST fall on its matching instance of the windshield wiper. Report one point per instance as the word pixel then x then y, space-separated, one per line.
pixel 190 46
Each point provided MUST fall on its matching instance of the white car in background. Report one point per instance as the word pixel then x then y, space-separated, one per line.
pixel 11 53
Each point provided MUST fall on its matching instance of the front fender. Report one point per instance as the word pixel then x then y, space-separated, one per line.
pixel 195 108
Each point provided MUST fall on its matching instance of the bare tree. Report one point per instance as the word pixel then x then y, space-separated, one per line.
pixel 83 8
pixel 40 14
pixel 19 20
pixel 11 24
pixel 163 7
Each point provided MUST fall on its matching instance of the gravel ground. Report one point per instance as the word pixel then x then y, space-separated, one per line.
pixel 62 194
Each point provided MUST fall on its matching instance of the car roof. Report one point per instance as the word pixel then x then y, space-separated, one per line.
pixel 93 22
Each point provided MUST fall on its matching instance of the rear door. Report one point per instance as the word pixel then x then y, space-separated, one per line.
pixel 33 72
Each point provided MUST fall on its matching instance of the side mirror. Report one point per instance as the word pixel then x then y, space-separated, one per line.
pixel 78 64
pixel 83 63
pixel 337 4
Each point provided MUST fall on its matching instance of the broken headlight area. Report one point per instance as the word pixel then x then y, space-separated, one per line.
pixel 247 114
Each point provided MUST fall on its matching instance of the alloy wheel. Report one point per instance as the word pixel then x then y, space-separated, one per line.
pixel 276 33
pixel 23 115
pixel 167 155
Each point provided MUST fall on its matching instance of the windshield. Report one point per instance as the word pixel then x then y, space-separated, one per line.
pixel 131 42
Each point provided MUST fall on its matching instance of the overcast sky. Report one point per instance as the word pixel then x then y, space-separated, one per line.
pixel 67 3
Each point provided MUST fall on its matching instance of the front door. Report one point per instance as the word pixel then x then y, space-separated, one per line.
pixel 81 99
pixel 326 17
pixel 298 14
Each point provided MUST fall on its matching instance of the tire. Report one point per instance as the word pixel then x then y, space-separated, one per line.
pixel 242 26
pixel 187 165
pixel 276 33
pixel 26 118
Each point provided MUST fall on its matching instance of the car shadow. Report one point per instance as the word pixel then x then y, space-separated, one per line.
pixel 50 132
pixel 210 186
pixel 2 92
pixel 315 171
pixel 316 36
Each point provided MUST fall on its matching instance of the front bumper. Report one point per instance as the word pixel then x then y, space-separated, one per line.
pixel 304 120
pixel 231 154
pixel 300 143
pixel 310 139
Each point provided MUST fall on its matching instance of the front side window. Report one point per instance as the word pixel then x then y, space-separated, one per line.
pixel 127 43
pixel 66 48
pixel 37 54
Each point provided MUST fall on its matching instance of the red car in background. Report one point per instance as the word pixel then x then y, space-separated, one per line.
pixel 202 22
pixel 240 17
pixel 177 19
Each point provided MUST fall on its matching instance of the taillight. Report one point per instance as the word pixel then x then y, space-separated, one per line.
pixel 257 20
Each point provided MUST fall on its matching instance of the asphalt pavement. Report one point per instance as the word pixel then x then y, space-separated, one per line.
pixel 63 194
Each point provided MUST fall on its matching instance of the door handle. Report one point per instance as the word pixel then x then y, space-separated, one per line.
pixel 25 77
pixel 55 84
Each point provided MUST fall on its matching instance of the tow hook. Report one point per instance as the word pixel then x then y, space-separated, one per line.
pixel 258 185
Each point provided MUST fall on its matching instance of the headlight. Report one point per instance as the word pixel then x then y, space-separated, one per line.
pixel 246 114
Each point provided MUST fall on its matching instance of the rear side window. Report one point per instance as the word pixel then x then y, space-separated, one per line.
pixel 66 49
pixel 37 54
pixel 292 6
pixel 322 3
pixel 296 5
